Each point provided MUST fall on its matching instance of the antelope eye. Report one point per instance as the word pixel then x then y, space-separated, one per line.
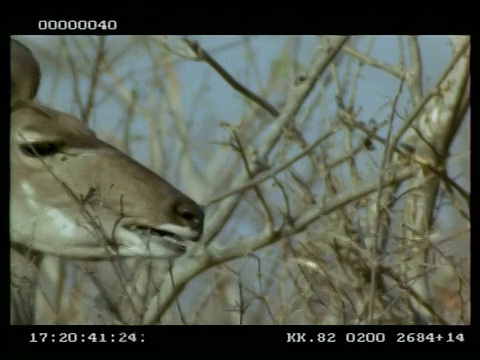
pixel 41 148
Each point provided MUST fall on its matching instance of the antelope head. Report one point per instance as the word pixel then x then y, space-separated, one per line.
pixel 74 195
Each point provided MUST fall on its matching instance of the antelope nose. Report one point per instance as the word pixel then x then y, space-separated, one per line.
pixel 190 214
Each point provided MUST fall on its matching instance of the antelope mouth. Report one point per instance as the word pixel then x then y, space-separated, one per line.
pixel 169 239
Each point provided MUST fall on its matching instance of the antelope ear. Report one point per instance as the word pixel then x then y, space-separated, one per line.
pixel 24 72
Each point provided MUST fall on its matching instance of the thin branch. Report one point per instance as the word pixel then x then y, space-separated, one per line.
pixel 94 80
pixel 203 55
pixel 266 209
pixel 372 62
pixel 300 94
pixel 379 205
pixel 415 75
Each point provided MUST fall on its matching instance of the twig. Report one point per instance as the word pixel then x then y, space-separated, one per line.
pixel 203 55
pixel 271 173
pixel 379 205
pixel 372 62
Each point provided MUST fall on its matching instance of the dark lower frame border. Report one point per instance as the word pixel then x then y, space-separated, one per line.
pixel 236 339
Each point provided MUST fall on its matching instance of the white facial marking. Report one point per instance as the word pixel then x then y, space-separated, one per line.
pixel 27 189
pixel 61 223
pixel 29 194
